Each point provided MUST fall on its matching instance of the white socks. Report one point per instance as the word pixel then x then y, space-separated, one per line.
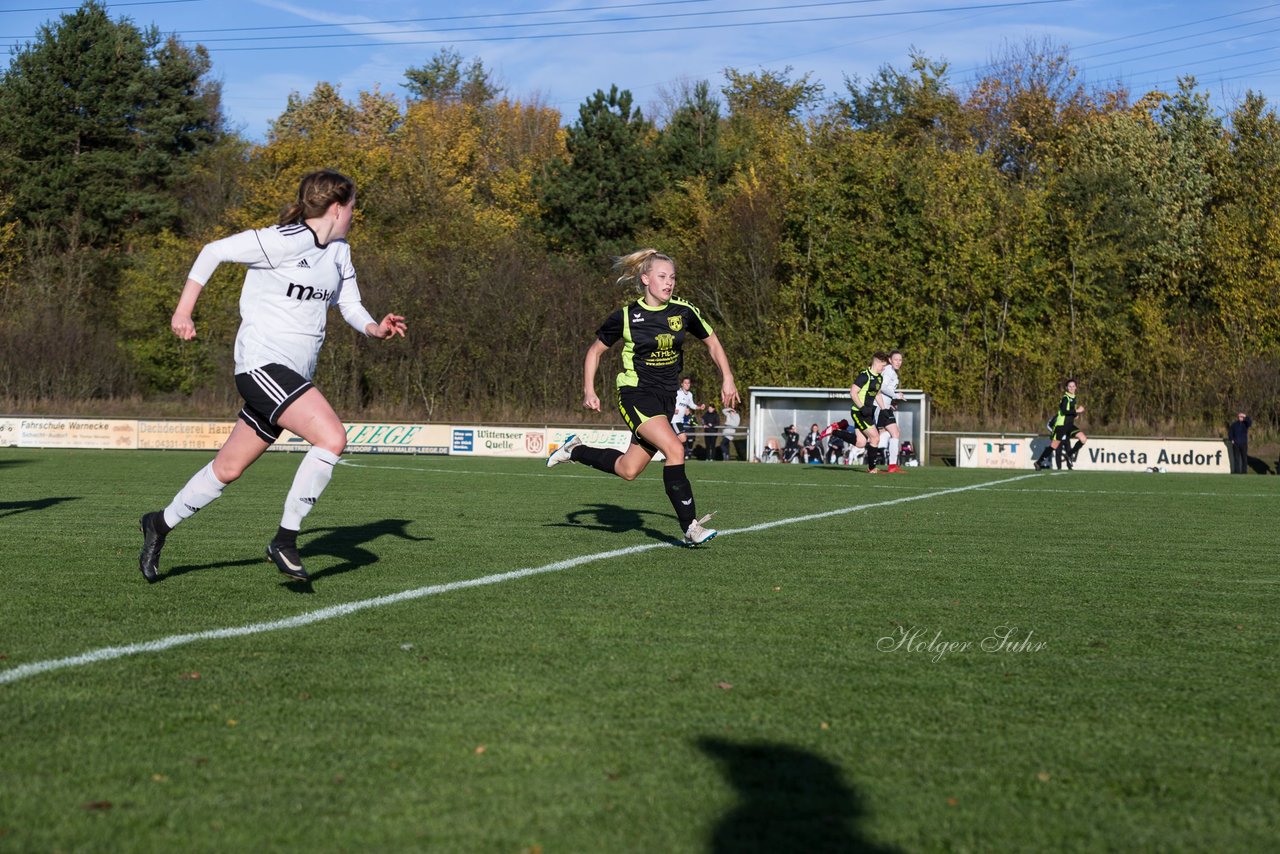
pixel 199 492
pixel 312 477
pixel 888 440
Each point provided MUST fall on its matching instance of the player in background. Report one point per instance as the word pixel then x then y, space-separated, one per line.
pixel 887 412
pixel 685 407
pixel 297 270
pixel 1064 430
pixel 859 429
pixel 652 330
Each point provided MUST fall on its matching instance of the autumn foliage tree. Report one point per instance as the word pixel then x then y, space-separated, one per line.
pixel 1005 233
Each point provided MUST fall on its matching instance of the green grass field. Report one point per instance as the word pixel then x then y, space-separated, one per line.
pixel 821 677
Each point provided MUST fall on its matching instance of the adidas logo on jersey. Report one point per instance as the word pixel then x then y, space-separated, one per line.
pixel 310 501
pixel 303 263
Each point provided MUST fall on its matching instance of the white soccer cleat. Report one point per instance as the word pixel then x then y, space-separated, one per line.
pixel 563 453
pixel 696 535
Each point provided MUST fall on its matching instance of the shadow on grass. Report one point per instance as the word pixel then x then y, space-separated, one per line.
pixel 613 519
pixel 1257 466
pixel 789 800
pixel 347 543
pixel 13 508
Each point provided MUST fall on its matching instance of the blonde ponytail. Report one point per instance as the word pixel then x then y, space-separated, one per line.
pixel 632 267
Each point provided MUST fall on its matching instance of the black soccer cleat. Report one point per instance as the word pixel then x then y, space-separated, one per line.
pixel 287 560
pixel 152 543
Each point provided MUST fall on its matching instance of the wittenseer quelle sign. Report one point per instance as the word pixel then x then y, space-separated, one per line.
pixel 1100 453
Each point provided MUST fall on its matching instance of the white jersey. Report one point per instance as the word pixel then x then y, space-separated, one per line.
pixel 290 284
pixel 888 386
pixel 684 405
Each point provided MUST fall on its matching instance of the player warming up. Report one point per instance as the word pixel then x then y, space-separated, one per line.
pixel 297 269
pixel 652 330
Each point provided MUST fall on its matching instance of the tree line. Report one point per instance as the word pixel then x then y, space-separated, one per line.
pixel 1005 233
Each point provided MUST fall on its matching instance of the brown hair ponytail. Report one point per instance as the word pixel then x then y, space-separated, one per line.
pixel 316 192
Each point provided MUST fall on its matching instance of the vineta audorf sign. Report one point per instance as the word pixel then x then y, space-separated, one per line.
pixel 1173 455
pixel 1100 453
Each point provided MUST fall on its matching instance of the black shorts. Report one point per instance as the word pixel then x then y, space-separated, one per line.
pixel 886 417
pixel 1062 432
pixel 639 405
pixel 862 419
pixel 267 393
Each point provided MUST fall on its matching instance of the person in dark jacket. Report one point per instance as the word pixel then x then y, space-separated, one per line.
pixel 791 446
pixel 813 451
pixel 711 426
pixel 1238 439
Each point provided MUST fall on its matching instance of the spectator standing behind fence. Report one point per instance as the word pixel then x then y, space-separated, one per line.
pixel 711 429
pixel 1238 439
pixel 729 431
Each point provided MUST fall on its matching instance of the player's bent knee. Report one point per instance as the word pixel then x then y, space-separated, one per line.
pixel 335 444
pixel 227 472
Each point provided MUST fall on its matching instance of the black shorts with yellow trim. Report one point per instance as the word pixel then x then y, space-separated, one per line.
pixel 863 419
pixel 267 393
pixel 639 405
pixel 1062 432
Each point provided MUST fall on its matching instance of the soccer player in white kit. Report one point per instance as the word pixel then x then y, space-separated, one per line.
pixel 297 269
pixel 886 411
pixel 685 406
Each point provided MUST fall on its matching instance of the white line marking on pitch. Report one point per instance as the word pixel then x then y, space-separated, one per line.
pixel 34 668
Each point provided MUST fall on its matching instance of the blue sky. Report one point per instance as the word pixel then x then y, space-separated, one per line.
pixel 561 51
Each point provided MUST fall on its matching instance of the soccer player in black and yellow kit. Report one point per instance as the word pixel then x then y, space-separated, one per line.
pixel 1064 430
pixel 860 427
pixel 652 330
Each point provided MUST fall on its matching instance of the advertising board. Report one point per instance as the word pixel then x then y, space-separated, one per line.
pixel 1100 453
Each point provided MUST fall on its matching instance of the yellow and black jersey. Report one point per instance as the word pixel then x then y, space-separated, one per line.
pixel 1066 411
pixel 868 382
pixel 652 341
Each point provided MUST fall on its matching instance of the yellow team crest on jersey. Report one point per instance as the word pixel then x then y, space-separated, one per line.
pixel 676 322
